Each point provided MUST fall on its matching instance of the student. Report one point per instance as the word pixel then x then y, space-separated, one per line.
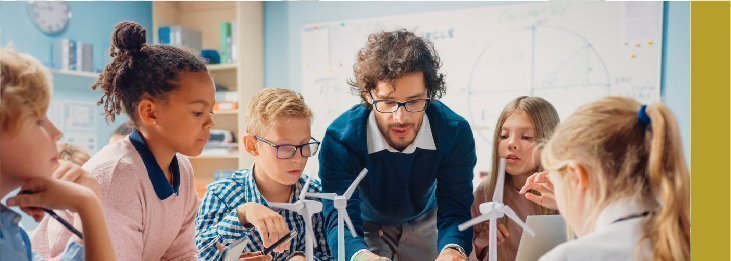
pixel 146 178
pixel 236 208
pixel 49 228
pixel 24 98
pixel 121 132
pixel 620 181
pixel 522 125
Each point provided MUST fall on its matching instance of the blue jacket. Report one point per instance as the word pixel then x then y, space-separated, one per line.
pixel 400 187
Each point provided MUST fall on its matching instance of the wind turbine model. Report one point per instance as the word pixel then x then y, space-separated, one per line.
pixel 341 203
pixel 493 210
pixel 305 208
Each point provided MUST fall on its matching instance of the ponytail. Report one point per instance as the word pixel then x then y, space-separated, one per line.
pixel 669 228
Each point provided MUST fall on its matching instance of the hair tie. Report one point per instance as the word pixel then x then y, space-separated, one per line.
pixel 642 116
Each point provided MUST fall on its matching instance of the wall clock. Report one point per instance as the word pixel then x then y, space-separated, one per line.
pixel 51 17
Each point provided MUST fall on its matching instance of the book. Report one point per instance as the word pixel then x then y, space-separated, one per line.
pixel 181 37
pixel 65 55
pixel 84 57
pixel 225 42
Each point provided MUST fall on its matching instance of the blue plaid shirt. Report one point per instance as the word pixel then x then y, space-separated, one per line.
pixel 15 244
pixel 218 226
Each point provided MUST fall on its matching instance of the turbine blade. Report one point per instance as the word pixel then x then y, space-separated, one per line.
pixel 305 187
pixel 479 219
pixel 348 222
pixel 512 215
pixel 286 206
pixel 329 196
pixel 354 185
pixel 498 194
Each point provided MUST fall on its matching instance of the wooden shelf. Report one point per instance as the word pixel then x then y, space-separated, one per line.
pixel 221 67
pixel 245 76
pixel 77 73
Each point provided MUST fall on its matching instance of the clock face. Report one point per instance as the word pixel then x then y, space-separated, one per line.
pixel 51 17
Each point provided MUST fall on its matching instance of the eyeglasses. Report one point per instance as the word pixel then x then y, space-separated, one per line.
pixel 389 106
pixel 287 151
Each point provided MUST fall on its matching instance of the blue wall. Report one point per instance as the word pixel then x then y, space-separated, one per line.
pixel 676 67
pixel 284 20
pixel 91 22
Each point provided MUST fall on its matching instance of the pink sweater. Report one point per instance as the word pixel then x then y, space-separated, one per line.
pixel 142 226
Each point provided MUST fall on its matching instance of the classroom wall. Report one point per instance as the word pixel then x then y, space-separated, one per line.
pixel 283 22
pixel 91 22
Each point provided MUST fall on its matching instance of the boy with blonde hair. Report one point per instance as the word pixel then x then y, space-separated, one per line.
pixel 236 209
pixel 44 180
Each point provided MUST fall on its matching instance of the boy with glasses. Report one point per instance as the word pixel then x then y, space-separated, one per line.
pixel 420 157
pixel 236 209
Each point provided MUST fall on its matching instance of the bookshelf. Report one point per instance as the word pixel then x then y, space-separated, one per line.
pixel 245 76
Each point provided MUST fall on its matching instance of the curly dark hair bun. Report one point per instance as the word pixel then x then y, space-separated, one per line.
pixel 138 69
pixel 128 36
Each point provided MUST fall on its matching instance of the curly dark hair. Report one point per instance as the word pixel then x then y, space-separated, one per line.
pixel 139 69
pixel 390 55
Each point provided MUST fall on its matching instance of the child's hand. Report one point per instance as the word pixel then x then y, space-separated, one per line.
pixel 69 171
pixel 256 256
pixel 270 224
pixel 502 233
pixel 539 182
pixel 52 194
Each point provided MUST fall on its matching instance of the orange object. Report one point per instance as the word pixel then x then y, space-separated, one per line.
pixel 224 106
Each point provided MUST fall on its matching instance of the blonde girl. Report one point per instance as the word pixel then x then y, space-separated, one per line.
pixel 621 183
pixel 522 125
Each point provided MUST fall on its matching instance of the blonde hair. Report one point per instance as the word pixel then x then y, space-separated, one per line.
pixel 271 104
pixel 544 119
pixel 629 159
pixel 72 153
pixel 24 90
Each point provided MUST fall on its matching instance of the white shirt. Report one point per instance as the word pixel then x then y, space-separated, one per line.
pixel 376 142
pixel 423 140
pixel 610 240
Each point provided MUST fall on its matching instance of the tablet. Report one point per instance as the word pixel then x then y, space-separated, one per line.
pixel 234 252
pixel 550 232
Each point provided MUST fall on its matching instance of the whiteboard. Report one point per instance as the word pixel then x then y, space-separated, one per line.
pixel 567 53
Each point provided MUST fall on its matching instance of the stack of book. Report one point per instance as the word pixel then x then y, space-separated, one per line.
pixel 70 55
pixel 226 101
pixel 181 37
pixel 222 142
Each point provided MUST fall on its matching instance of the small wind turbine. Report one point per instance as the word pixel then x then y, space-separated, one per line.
pixel 305 208
pixel 493 210
pixel 341 203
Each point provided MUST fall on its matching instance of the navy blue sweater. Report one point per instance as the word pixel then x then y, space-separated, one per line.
pixel 400 187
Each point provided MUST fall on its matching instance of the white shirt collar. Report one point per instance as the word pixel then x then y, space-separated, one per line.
pixel 622 208
pixel 376 141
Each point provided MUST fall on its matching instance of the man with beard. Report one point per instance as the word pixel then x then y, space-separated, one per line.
pixel 420 157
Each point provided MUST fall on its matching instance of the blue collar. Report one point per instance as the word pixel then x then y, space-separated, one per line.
pixel 157 176
pixel 250 182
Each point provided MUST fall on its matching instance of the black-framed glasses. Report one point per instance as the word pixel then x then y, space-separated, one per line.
pixel 389 106
pixel 287 151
